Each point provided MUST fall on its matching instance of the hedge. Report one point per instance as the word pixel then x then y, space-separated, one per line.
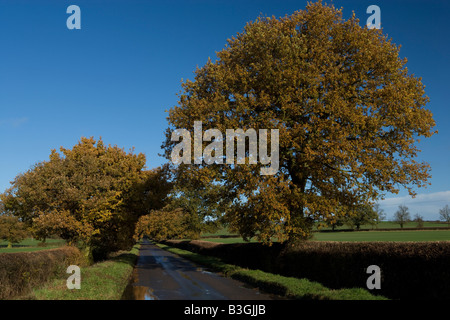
pixel 22 271
pixel 409 270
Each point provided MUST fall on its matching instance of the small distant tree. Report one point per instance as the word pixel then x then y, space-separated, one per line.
pixel 402 216
pixel 419 219
pixel 12 229
pixel 363 214
pixel 444 214
pixel 336 222
pixel 336 219
pixel 381 215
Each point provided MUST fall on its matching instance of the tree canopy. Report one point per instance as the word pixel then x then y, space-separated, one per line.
pixel 348 111
pixel 12 229
pixel 166 223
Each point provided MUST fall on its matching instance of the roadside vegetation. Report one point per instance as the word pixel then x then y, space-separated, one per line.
pixel 20 272
pixel 343 264
pixel 105 280
pixel 288 287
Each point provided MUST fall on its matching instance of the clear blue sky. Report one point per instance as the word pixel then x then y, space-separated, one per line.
pixel 116 76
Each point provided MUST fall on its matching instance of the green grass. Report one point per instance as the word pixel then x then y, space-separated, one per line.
pixel 104 280
pixel 419 235
pixel 30 244
pixel 372 235
pixel 393 225
pixel 288 287
pixel 407 235
pixel 227 240
pixel 301 289
pixel 221 232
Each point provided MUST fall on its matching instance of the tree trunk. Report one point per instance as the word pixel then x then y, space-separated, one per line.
pixel 299 177
pixel 87 252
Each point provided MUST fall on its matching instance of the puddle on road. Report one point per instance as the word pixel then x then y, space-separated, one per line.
pixel 203 270
pixel 135 292
pixel 138 293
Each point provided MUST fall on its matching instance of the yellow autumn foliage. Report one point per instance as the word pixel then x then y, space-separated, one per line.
pixel 348 111
pixel 163 224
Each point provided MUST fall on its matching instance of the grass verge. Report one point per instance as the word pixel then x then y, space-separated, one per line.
pixel 104 280
pixel 289 287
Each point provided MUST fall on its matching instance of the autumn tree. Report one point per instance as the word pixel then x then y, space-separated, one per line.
pixel 361 215
pixel 188 212
pixel 91 193
pixel 356 216
pixel 12 229
pixel 337 218
pixel 200 203
pixel 335 223
pixel 348 112
pixel 402 216
pixel 163 224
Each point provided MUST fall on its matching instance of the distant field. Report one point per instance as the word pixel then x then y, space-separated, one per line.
pixel 30 245
pixel 407 235
pixel 393 225
pixel 381 225
pixel 433 235
pixel 372 235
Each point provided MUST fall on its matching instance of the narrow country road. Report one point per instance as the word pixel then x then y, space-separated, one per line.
pixel 161 275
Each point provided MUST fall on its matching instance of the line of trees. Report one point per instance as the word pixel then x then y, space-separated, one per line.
pixel 91 195
pixel 101 199
pixel 365 214
pixel 402 216
pixel 372 215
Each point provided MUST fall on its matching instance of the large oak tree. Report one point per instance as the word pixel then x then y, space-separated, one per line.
pixel 348 111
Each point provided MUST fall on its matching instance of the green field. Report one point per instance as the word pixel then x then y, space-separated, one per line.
pixel 419 235
pixel 393 225
pixel 30 244
pixel 371 235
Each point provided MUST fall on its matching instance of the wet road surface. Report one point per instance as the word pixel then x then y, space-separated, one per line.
pixel 162 275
